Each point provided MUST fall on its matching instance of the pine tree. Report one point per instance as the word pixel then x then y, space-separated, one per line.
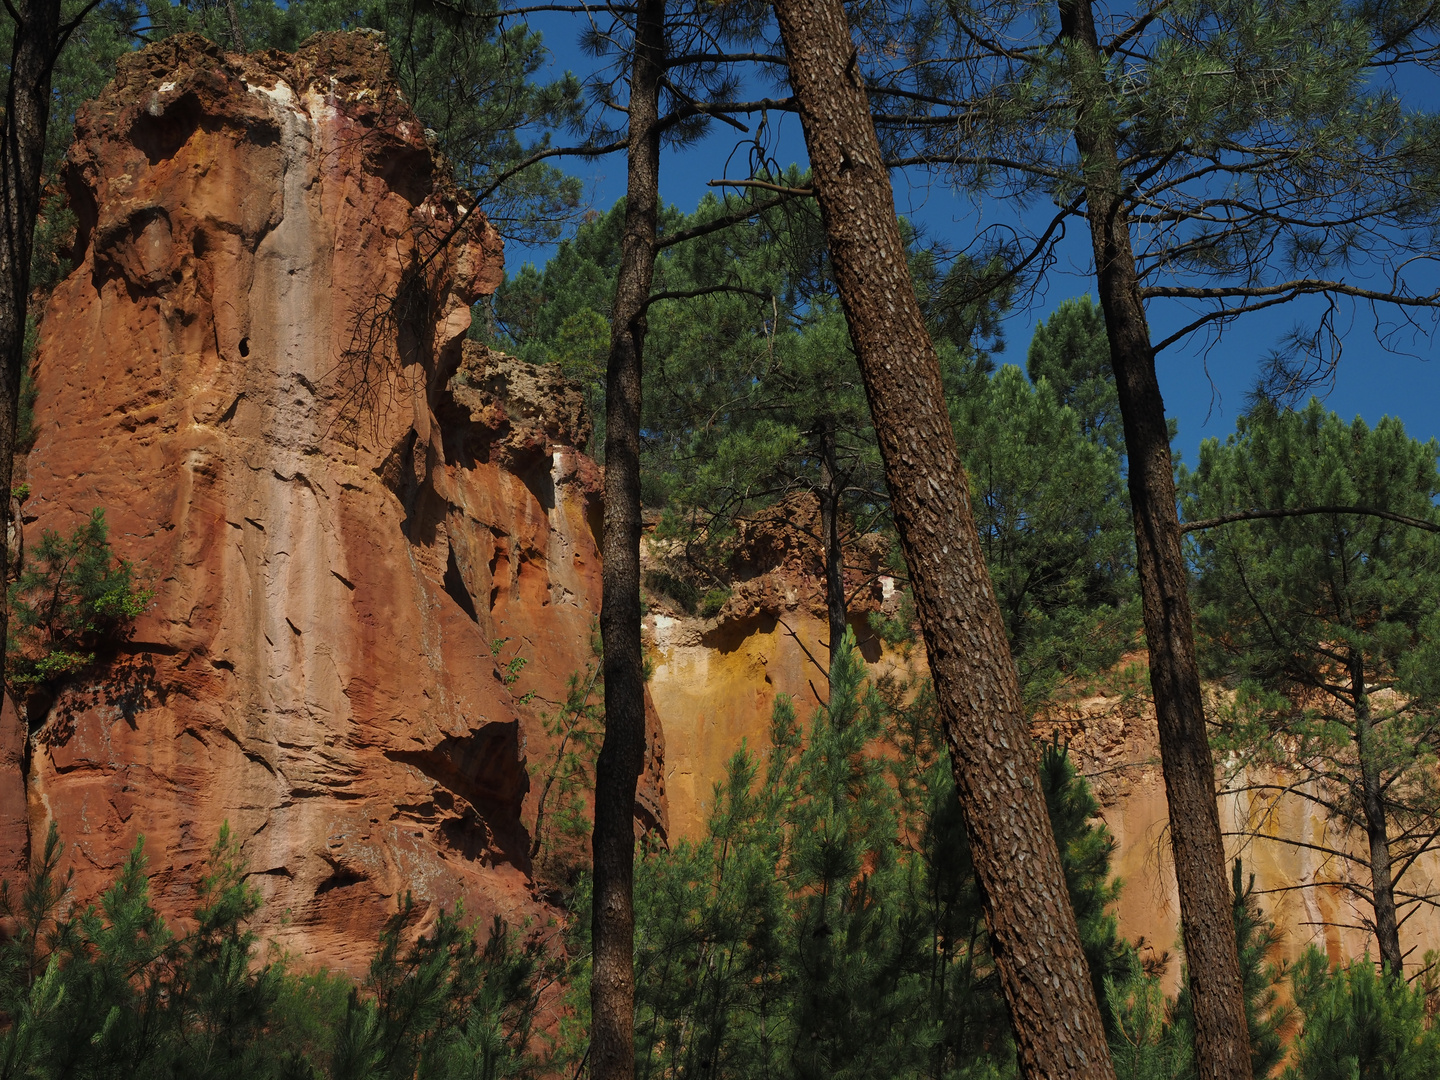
pixel 1052 527
pixel 72 597
pixel 1071 351
pixel 1359 1026
pixel 976 686
pixel 1230 155
pixel 1335 613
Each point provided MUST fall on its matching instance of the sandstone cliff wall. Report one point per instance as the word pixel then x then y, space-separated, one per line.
pixel 256 368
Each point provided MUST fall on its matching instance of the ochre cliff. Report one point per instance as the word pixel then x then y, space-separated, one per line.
pixel 715 682
pixel 256 369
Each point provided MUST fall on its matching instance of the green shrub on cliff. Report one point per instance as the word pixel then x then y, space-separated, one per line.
pixel 72 598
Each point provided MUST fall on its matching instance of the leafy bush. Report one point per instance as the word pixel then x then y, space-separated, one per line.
pixel 72 598
pixel 713 601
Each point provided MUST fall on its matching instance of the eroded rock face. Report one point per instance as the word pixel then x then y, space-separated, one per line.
pixel 715 680
pixel 256 369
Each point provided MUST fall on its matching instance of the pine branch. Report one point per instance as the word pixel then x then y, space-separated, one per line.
pixel 1305 511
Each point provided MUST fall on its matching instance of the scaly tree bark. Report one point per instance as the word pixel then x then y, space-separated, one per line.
pixel 36 44
pixel 1036 944
pixel 832 486
pixel 1377 830
pixel 622 754
pixel 1222 1041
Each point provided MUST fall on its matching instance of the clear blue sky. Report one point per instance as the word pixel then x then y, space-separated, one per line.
pixel 1204 382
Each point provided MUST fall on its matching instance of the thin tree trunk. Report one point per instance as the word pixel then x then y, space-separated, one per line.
pixel 237 36
pixel 1377 833
pixel 27 114
pixel 1222 1040
pixel 1043 973
pixel 622 754
pixel 830 487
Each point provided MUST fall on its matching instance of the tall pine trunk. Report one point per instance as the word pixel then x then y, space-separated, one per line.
pixel 1043 972
pixel 622 754
pixel 27 114
pixel 1222 1040
pixel 831 487
pixel 1377 830
pixel 237 35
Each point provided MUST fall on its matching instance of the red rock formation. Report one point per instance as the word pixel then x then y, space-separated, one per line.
pixel 256 369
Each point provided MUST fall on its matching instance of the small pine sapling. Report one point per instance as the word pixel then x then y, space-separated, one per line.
pixel 72 598
pixel 576 728
pixel 1359 1025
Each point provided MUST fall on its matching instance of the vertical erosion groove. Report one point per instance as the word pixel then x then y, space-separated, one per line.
pixel 1043 972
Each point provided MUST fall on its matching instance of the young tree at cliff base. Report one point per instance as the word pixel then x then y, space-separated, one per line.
pixel 1329 623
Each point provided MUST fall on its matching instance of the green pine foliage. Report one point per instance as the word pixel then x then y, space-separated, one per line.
pixel 1153 1039
pixel 1326 623
pixel 111 990
pixel 73 597
pixel 1086 848
pixel 1070 351
pixel 829 923
pixel 263 23
pixel 1054 527
pixel 1266 1015
pixel 561 812
pixel 448 1005
pixel 1358 1025
pixel 1148 1040
pixel 744 383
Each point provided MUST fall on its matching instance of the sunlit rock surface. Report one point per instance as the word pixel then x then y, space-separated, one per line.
pixel 256 369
